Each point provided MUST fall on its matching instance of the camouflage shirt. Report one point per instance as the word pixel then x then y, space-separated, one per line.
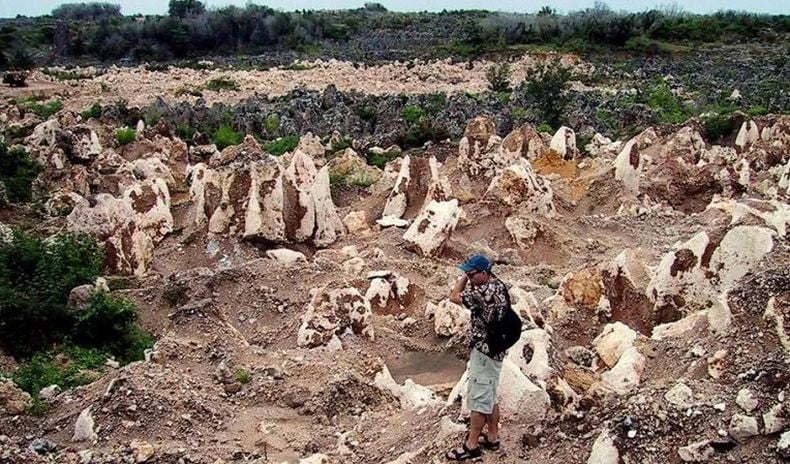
pixel 487 302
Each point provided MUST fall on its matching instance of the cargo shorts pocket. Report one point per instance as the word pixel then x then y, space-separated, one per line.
pixel 480 394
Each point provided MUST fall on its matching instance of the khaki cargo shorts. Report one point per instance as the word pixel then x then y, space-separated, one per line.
pixel 481 393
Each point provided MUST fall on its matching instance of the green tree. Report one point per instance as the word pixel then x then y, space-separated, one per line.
pixel 184 8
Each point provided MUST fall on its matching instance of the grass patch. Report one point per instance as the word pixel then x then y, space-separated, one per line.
pixel 381 159
pixel 17 172
pixel 93 112
pixel 242 376
pixel 225 137
pixel 221 83
pixel 412 114
pixel 296 66
pixel 125 135
pixel 43 110
pixel 282 145
pixel 271 123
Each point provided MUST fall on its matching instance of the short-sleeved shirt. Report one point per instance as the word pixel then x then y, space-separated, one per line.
pixel 487 303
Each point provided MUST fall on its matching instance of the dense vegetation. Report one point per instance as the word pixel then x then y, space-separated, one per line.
pixel 99 31
pixel 56 343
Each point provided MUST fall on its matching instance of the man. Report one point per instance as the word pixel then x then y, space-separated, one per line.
pixel 487 299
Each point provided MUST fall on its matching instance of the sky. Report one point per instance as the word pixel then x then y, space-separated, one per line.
pixel 11 8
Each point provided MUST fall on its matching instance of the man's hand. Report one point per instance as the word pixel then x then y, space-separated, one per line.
pixel 455 294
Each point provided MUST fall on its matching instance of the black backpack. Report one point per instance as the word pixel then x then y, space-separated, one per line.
pixel 505 332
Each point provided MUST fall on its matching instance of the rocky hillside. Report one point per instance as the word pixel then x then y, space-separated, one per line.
pixel 296 293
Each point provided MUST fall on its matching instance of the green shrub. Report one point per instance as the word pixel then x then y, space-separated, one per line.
pixel 381 159
pixel 43 110
pixel 93 112
pixel 341 144
pixel 185 131
pixel 221 83
pixel 242 376
pixel 272 123
pixel 545 127
pixel 282 145
pixel 519 114
pixel 105 322
pixel 15 78
pixel 499 78
pixel 125 135
pixel 17 173
pixel 225 137
pixel 547 88
pixel 412 114
pixel 70 367
pixel 188 90
pixel 717 126
pixel 36 277
pixel 366 112
pixel 417 134
pixel 755 111
pixel 669 109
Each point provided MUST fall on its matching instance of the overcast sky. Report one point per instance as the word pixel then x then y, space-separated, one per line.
pixel 11 8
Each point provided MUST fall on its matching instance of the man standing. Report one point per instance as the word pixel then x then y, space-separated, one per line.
pixel 487 298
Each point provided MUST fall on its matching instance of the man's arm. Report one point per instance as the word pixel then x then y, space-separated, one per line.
pixel 455 293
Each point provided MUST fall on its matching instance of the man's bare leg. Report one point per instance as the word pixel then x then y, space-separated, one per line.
pixel 493 424
pixel 478 420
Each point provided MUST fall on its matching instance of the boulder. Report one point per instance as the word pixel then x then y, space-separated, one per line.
pixel 142 450
pixel 614 340
pixel 625 376
pixel 286 256
pixel 13 400
pixel 742 427
pixel 83 428
pixel 583 288
pixel 747 400
pixel 698 271
pixel 627 166
pixel 523 230
pixel 431 230
pixel 397 200
pixel 604 450
pixel 330 313
pixel 389 292
pixel 410 395
pixel 328 225
pixel 564 143
pixel 523 142
pixel 356 223
pixel 748 134
pixel 449 319
pixel 311 146
pixel 519 398
pixel 518 185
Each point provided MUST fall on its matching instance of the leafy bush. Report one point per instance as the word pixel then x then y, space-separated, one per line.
pixel 221 83
pixel 412 114
pixel 366 112
pixel 43 110
pixel 242 376
pixel 547 90
pixel 66 368
pixel 105 322
pixel 296 66
pixel 544 127
pixel 182 8
pixel 272 123
pixel 282 145
pixel 92 11
pixel 498 78
pixel 717 126
pixel 36 277
pixel 15 79
pixel 417 134
pixel 519 114
pixel 17 173
pixel 755 111
pixel 125 135
pixel 93 112
pixel 668 107
pixel 381 159
pixel 225 137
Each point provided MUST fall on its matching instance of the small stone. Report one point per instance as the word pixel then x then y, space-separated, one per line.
pixel 720 407
pixel 700 451
pixel 747 400
pixel 680 396
pixel 49 393
pixel 83 428
pixel 143 451
pixel 742 427
pixel 774 419
pixel 43 446
pixel 783 447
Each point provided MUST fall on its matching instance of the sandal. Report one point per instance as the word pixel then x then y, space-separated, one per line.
pixel 489 445
pixel 456 455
